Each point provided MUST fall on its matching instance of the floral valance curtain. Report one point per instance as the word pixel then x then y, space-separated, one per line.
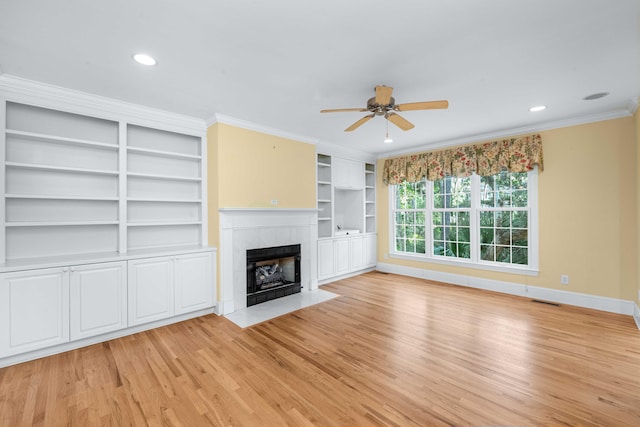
pixel 514 154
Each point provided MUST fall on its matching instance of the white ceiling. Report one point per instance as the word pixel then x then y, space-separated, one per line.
pixel 276 63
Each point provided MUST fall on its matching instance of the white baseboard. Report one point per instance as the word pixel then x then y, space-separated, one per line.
pixel 612 305
pixel 345 276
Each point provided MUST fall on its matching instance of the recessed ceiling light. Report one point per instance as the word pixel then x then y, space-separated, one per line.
pixel 538 108
pixel 595 96
pixel 144 59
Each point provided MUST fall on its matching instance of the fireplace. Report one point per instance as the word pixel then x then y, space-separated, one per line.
pixel 272 273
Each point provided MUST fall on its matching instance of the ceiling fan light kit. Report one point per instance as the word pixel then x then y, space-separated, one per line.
pixel 383 104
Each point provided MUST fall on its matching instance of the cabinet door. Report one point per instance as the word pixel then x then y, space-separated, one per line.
pixel 341 256
pixel 370 250
pixel 356 253
pixel 150 283
pixel 98 299
pixel 325 259
pixel 348 174
pixel 193 282
pixel 34 310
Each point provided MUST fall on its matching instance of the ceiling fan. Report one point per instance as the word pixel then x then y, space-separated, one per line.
pixel 383 104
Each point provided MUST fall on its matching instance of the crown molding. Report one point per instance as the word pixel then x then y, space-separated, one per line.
pixel 245 124
pixel 540 127
pixel 17 89
pixel 345 153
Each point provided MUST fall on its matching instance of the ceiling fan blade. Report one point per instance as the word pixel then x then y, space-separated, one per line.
pixel 359 123
pixel 383 95
pixel 428 105
pixel 399 121
pixel 340 110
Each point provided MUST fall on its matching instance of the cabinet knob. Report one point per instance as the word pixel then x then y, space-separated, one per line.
pixel 73 269
pixel 65 269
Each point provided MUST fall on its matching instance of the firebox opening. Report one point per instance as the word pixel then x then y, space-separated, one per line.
pixel 272 273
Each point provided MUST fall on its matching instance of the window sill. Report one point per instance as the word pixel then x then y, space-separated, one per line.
pixel 525 271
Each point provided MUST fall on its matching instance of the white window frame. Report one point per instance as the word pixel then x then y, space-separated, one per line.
pixel 474 262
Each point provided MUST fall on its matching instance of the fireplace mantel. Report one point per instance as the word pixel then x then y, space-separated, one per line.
pixel 254 228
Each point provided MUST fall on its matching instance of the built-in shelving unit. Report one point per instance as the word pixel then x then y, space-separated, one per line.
pixel 347 243
pixel 370 198
pixel 77 184
pixel 164 188
pixel 325 196
pixel 61 174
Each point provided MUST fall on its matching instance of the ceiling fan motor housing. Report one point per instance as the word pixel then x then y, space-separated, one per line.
pixel 380 110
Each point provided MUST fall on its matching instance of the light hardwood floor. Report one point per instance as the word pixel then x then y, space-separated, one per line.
pixel 390 350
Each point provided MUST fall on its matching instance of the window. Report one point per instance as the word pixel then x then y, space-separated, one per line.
pixel 481 221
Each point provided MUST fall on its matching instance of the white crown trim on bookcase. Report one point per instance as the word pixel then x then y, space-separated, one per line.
pixel 44 95
pixel 227 120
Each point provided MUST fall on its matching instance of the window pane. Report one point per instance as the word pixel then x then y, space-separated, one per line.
pixel 420 247
pixel 464 234
pixel 486 235
pixel 487 199
pixel 438 233
pixel 463 218
pixel 519 219
pixel 399 217
pixel 420 218
pixel 520 256
pixel 410 217
pixel 487 252
pixel 503 219
pixel 519 198
pixel 438 248
pixel 503 254
pixel 486 219
pixel 438 201
pixel 421 194
pixel 503 237
pixel 437 218
pixel 409 231
pixel 420 232
pixel 399 230
pixel 410 245
pixel 400 245
pixel 465 250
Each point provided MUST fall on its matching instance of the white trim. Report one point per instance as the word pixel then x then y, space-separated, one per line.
pixel 244 124
pixel 594 302
pixel 3 174
pixel 16 89
pixel 636 314
pixel 334 150
pixel 72 345
pixel 540 127
pixel 123 231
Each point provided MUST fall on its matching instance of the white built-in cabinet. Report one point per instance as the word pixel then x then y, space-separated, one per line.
pixel 346 218
pixel 98 299
pixel 162 287
pixel 103 219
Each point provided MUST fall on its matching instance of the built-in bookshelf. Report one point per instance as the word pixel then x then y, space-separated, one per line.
pixel 325 196
pixel 77 184
pixel 369 198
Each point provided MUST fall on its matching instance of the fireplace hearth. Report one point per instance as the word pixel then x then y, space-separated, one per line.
pixel 272 273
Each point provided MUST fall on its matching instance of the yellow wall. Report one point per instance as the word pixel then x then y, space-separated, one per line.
pixel 249 169
pixel 255 168
pixel 588 202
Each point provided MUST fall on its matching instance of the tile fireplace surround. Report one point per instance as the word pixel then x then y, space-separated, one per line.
pixel 253 228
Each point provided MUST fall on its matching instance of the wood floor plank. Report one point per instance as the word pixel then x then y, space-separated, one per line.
pixel 390 350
